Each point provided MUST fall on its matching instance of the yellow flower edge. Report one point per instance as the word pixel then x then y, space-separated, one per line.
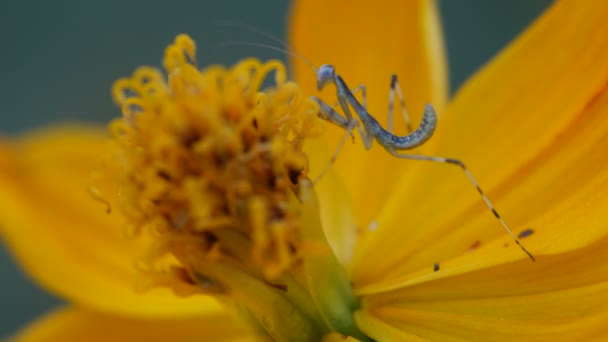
pixel 77 324
pixel 70 245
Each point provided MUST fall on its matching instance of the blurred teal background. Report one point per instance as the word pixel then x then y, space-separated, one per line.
pixel 59 59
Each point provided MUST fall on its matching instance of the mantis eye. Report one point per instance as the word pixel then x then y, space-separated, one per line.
pixel 325 75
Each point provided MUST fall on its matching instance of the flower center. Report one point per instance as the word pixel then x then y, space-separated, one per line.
pixel 213 165
pixel 212 171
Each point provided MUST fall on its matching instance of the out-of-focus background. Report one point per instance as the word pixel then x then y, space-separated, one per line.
pixel 59 59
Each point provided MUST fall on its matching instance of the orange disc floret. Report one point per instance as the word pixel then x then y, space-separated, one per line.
pixel 211 165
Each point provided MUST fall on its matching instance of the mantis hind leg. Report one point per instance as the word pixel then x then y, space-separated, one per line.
pixel 391 104
pixel 475 184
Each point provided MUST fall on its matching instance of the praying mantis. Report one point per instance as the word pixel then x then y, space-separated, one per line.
pixel 372 130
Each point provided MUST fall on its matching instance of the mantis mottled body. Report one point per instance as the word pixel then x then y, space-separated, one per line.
pixel 372 130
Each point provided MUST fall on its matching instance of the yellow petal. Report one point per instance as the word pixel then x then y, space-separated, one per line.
pixel 405 325
pixel 75 324
pixel 337 216
pixel 367 43
pixel 531 127
pixel 62 237
pixel 561 297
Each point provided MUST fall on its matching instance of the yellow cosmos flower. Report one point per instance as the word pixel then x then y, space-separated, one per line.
pixel 530 125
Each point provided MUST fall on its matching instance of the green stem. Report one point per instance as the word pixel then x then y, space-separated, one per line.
pixel 272 310
pixel 328 283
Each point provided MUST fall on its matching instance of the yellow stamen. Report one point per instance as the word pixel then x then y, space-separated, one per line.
pixel 205 152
